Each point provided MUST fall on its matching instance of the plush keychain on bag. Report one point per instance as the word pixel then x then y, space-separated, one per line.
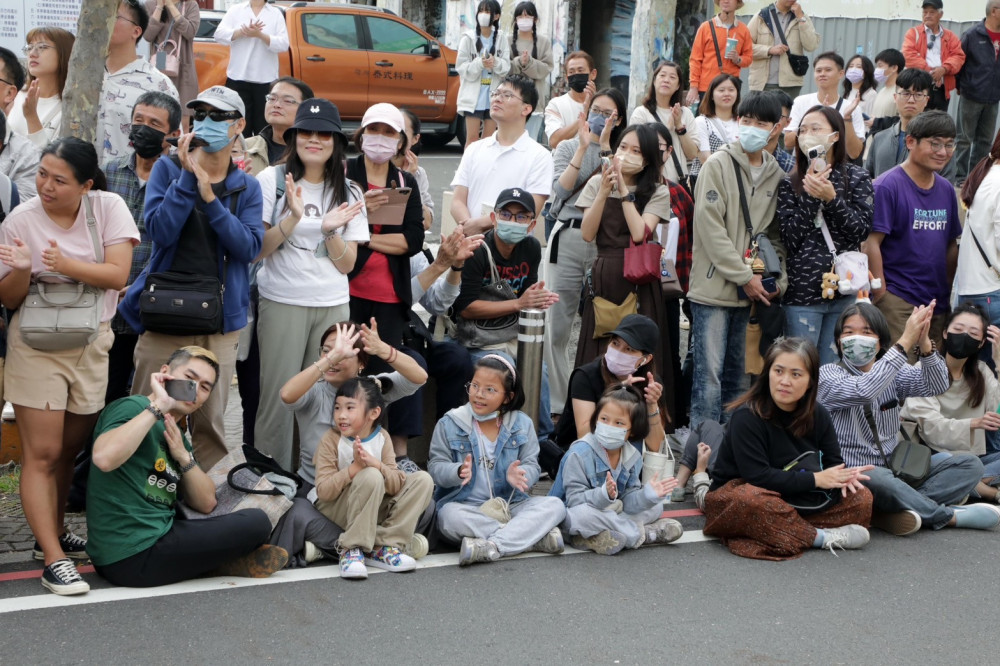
pixel 829 288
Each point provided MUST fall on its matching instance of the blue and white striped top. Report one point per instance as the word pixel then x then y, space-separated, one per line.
pixel 844 391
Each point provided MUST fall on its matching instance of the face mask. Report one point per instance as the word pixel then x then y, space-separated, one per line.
pixel 148 142
pixel 213 132
pixel 484 417
pixel 880 75
pixel 379 148
pixel 609 436
pixel 855 74
pixel 485 19
pixel 809 141
pixel 961 345
pixel 619 363
pixel 578 82
pixel 525 24
pixel 630 163
pixel 596 122
pixel 860 350
pixel 753 138
pixel 511 232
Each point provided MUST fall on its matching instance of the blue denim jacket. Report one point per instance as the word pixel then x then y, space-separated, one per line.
pixel 583 472
pixel 454 439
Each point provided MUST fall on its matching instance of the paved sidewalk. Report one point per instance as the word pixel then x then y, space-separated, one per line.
pixel 16 539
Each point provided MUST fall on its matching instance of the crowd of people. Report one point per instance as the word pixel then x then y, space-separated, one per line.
pixel 811 242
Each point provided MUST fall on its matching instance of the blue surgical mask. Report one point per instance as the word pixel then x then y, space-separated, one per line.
pixel 215 132
pixel 609 436
pixel 753 138
pixel 484 417
pixel 511 232
pixel 596 122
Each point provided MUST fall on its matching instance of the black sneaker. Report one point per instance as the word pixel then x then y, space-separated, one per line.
pixel 62 578
pixel 73 546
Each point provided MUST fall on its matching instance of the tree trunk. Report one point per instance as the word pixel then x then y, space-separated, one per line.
pixel 82 94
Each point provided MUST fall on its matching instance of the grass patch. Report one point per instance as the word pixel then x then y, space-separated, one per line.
pixel 10 479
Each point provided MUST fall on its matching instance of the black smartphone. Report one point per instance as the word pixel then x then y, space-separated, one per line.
pixel 770 285
pixel 182 390
pixel 196 142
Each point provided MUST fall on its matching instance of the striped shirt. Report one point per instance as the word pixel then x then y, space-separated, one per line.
pixel 844 391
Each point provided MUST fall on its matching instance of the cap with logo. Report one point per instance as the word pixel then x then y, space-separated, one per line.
pixel 220 97
pixel 516 195
pixel 318 115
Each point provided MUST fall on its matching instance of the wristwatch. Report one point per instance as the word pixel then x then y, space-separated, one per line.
pixel 190 465
pixel 457 269
pixel 606 153
pixel 681 131
pixel 630 197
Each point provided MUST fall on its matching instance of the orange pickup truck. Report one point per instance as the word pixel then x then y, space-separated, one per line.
pixel 356 56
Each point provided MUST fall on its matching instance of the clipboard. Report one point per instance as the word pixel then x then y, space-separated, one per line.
pixel 391 213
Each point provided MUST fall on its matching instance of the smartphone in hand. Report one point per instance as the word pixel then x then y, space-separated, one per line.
pixel 182 390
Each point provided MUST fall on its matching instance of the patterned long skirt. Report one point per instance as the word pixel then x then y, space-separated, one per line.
pixel 757 523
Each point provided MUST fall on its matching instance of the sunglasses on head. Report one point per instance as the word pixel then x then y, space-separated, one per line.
pixel 215 114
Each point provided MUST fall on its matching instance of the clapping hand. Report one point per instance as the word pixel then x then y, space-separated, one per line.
pixel 456 248
pixel 992 334
pixel 293 197
pixel 611 487
pixel 662 487
pixel 17 256
pixel 465 471
pixel 340 216
pixel 373 344
pixel 53 258
pixel 818 185
pixel 537 297
pixel 517 477
pixel 362 457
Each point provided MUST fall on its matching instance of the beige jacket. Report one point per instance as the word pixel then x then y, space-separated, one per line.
pixel 331 480
pixel 943 421
pixel 802 37
pixel 720 236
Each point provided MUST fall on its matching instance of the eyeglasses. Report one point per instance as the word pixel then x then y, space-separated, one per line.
pixel 285 100
pixel 125 18
pixel 504 95
pixel 814 129
pixel 602 114
pixel 520 218
pixel 937 146
pixel 215 114
pixel 7 82
pixel 472 388
pixel 916 96
pixel 38 47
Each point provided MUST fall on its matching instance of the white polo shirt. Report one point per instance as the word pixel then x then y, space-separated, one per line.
pixel 560 112
pixel 803 103
pixel 487 168
pixel 250 59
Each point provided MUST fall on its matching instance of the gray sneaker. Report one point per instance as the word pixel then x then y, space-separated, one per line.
pixel 605 543
pixel 550 543
pixel 664 530
pixel 407 465
pixel 899 523
pixel 477 550
pixel 848 537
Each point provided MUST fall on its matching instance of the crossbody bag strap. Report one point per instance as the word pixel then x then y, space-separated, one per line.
pixel 92 228
pixel 715 40
pixel 494 273
pixel 743 198
pixel 870 417
pixel 677 164
pixel 826 234
pixel 982 253
pixel 777 25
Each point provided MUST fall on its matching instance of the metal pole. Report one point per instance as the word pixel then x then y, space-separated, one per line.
pixel 530 339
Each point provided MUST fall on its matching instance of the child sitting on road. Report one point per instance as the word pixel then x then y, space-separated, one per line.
pixel 484 460
pixel 359 487
pixel 608 508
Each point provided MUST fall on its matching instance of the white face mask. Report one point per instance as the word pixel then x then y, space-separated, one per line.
pixel 609 436
pixel 485 18
pixel 860 350
pixel 525 24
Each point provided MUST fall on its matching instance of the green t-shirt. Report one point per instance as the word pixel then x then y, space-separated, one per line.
pixel 131 507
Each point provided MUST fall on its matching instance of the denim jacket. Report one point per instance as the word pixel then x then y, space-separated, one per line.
pixel 454 438
pixel 584 471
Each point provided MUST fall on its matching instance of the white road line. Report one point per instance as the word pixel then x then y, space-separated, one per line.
pixel 48 600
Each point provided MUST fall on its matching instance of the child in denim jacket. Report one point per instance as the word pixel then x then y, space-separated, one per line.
pixel 484 460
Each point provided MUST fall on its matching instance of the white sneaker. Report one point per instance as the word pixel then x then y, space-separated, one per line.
pixel 550 543
pixel 352 564
pixel 390 558
pixel 848 537
pixel 312 553
pixel 418 547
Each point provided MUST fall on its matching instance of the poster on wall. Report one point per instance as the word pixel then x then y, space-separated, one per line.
pixel 17 17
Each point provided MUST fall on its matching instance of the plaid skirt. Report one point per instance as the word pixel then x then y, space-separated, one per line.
pixel 757 523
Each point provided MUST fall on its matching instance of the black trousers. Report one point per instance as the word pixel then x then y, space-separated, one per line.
pixel 253 98
pixel 120 367
pixel 937 100
pixel 190 549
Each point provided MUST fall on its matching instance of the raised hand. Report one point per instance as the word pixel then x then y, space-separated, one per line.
pixel 53 258
pixel 343 346
pixel 293 197
pixel 465 471
pixel 340 216
pixel 663 487
pixel 517 477
pixel 537 297
pixel 17 256
pixel 373 344
pixel 611 486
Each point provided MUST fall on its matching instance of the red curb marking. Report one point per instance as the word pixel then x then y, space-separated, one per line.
pixel 680 513
pixel 37 573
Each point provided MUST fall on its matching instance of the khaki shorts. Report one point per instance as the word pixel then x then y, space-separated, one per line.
pixel 74 380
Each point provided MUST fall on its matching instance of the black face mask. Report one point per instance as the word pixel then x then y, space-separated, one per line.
pixel 148 142
pixel 961 345
pixel 578 82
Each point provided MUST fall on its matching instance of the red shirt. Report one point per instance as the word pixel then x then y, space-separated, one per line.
pixel 995 38
pixel 374 281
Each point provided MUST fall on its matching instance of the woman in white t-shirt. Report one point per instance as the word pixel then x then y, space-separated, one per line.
pixel 57 395
pixel 860 81
pixel 717 124
pixel 664 104
pixel 37 110
pixel 310 245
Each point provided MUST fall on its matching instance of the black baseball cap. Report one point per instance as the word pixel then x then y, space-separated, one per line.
pixel 516 195
pixel 317 115
pixel 639 332
pixel 936 4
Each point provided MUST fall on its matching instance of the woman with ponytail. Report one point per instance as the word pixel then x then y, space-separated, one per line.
pixel 482 63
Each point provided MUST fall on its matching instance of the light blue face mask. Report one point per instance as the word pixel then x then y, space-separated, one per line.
pixel 609 436
pixel 214 132
pixel 753 138
pixel 484 417
pixel 596 122
pixel 511 232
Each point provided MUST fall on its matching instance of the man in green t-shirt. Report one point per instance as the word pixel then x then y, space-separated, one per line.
pixel 142 462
